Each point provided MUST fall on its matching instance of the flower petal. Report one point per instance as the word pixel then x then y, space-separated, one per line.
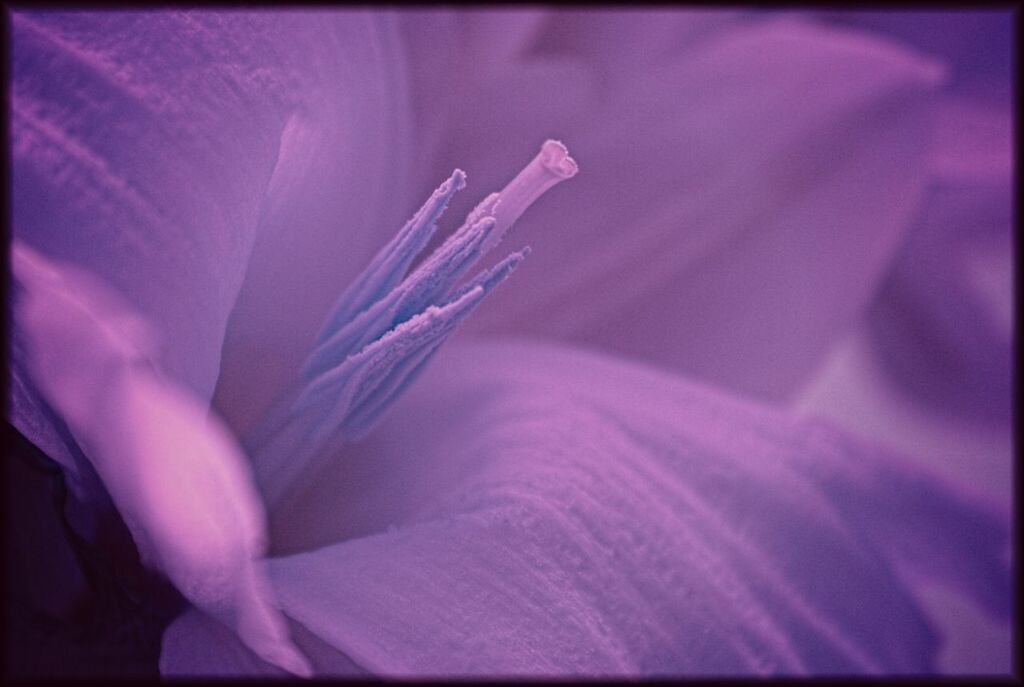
pixel 449 51
pixel 979 44
pixel 854 391
pixel 177 478
pixel 142 144
pixel 530 510
pixel 930 370
pixel 338 191
pixel 773 170
pixel 944 321
pixel 620 41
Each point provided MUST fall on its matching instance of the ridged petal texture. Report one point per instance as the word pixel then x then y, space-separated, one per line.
pixel 151 147
pixel 177 477
pixel 529 510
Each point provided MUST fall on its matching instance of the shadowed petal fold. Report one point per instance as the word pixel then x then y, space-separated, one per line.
pixel 944 322
pixel 338 191
pixel 176 476
pixel 530 510
pixel 148 147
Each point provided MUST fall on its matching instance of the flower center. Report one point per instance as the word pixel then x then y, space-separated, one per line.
pixel 389 322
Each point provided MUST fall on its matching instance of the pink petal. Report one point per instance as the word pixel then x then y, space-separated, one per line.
pixel 466 68
pixel 530 510
pixel 175 474
pixel 339 191
pixel 772 171
pixel 142 143
pixel 152 147
pixel 618 42
pixel 944 322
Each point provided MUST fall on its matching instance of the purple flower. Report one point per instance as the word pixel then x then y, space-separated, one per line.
pixel 616 468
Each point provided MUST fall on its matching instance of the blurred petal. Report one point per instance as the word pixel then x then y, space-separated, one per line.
pixel 531 510
pixel 978 43
pixel 449 54
pixel 619 42
pixel 772 171
pixel 944 322
pixel 855 391
pixel 931 371
pixel 177 478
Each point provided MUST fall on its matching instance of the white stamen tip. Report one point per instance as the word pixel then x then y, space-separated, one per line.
pixel 549 167
pixel 555 156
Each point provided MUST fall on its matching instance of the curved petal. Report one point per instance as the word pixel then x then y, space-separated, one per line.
pixel 618 42
pixel 152 147
pixel 930 372
pixel 772 171
pixel 944 322
pixel 338 191
pixel 176 476
pixel 530 510
pixel 855 391
pixel 448 53
pixel 142 143
pixel 979 44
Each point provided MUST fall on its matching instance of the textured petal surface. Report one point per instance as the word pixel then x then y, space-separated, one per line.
pixel 142 144
pixel 176 476
pixel 529 510
pixel 150 147
pixel 771 169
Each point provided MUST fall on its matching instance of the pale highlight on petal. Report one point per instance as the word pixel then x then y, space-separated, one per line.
pixel 175 474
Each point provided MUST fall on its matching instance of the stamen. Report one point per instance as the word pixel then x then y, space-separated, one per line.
pixel 348 400
pixel 393 260
pixel 426 284
pixel 490 278
pixel 384 329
